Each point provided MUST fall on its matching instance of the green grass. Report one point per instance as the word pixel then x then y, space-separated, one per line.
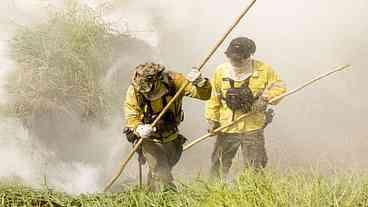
pixel 269 188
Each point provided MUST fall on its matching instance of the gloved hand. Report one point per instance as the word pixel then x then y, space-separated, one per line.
pixel 260 104
pixel 212 125
pixel 144 130
pixel 195 77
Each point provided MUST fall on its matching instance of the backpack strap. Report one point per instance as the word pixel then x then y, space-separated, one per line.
pixel 141 100
pixel 245 83
pixel 231 81
pixel 169 83
pixel 148 112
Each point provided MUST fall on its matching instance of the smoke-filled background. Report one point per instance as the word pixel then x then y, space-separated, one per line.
pixel 323 126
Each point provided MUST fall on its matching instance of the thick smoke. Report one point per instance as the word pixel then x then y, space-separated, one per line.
pixel 321 126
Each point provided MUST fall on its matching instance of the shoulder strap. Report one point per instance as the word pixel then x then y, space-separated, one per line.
pixel 142 102
pixel 140 99
pixel 245 83
pixel 231 81
pixel 168 81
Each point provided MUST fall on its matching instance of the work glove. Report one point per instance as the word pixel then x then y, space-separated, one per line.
pixel 260 105
pixel 195 77
pixel 212 125
pixel 144 130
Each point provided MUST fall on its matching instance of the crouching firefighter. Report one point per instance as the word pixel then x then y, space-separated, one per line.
pixel 241 85
pixel 151 89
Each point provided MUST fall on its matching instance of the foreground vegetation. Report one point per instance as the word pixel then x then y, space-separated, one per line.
pixel 250 189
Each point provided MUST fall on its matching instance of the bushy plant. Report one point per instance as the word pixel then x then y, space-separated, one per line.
pixel 61 63
pixel 71 72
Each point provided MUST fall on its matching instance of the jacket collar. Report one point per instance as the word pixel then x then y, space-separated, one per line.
pixel 257 65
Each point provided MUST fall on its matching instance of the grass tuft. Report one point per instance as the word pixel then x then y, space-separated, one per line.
pixel 268 188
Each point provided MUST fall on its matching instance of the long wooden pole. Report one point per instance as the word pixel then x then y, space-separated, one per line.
pixel 340 68
pixel 200 139
pixel 178 93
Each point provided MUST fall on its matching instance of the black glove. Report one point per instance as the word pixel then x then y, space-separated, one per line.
pixel 133 138
pixel 130 135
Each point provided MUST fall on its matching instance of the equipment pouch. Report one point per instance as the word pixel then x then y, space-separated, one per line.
pixel 239 98
pixel 130 135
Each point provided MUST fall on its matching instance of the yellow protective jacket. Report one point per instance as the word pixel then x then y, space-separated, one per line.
pixel 262 77
pixel 134 114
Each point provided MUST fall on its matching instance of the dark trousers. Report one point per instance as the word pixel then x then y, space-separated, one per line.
pixel 161 158
pixel 226 146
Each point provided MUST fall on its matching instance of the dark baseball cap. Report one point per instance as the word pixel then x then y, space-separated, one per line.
pixel 241 47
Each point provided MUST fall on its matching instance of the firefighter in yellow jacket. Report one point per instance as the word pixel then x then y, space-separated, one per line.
pixel 241 85
pixel 150 91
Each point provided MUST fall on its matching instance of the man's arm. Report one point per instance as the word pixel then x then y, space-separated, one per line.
pixel 134 128
pixel 202 91
pixel 132 111
pixel 275 86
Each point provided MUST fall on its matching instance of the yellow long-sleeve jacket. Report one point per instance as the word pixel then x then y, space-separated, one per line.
pixel 134 113
pixel 263 77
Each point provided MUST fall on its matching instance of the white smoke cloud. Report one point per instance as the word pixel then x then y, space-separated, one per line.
pixel 299 38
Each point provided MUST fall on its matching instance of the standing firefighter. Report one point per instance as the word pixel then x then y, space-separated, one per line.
pixel 242 85
pixel 151 89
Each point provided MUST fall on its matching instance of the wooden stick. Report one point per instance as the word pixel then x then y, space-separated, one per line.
pixel 123 165
pixel 196 141
pixel 232 27
pixel 178 93
pixel 309 83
